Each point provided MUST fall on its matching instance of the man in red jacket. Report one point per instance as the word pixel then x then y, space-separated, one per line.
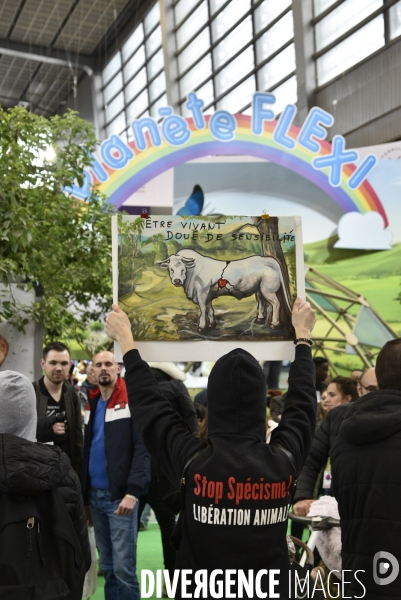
pixel 115 474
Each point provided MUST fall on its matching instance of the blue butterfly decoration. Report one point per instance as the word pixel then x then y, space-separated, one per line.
pixel 193 206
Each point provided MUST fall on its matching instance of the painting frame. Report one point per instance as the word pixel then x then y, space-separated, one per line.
pixel 210 349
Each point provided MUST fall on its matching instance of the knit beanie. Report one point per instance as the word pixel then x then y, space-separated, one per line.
pixel 17 405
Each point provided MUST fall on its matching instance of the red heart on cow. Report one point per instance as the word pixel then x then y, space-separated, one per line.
pixel 222 283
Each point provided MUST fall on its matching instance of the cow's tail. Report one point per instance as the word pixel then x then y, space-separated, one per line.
pixel 285 291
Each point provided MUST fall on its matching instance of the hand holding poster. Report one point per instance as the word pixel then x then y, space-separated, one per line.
pixel 196 287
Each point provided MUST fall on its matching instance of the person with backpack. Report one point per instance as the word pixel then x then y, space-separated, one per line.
pixel 236 491
pixel 44 546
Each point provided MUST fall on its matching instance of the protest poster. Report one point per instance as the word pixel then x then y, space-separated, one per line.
pixel 196 287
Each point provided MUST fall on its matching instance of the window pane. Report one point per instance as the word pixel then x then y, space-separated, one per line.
pixel 154 42
pixel 133 42
pixel 286 93
pixel 233 42
pixel 161 103
pixel 114 86
pixel 111 68
pixel 275 37
pixel 321 5
pixel 190 55
pixel 358 46
pixel 123 136
pixel 206 94
pixel 114 107
pixel 277 69
pixel 155 64
pixel 215 5
pixel 342 18
pixel 237 69
pixel 229 16
pixel 395 20
pixel 152 18
pixel 240 97
pixel 117 126
pixel 157 86
pixel 192 25
pixel 182 9
pixel 195 76
pixel 134 63
pixel 268 11
pixel 135 85
pixel 136 108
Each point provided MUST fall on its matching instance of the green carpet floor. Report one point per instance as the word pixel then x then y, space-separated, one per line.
pixel 150 556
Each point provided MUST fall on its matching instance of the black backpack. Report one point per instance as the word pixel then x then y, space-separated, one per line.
pixel 40 554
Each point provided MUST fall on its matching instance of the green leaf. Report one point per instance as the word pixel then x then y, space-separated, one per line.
pixel 46 235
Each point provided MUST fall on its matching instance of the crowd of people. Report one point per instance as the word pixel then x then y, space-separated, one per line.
pixel 220 473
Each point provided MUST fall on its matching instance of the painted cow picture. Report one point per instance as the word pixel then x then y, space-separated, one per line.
pixel 204 279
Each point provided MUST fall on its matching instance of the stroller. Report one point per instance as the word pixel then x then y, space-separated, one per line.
pixel 306 579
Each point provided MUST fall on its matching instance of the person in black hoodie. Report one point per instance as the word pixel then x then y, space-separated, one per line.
pixel 365 465
pixel 39 479
pixel 238 489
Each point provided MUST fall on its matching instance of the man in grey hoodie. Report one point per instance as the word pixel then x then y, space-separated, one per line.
pixel 39 486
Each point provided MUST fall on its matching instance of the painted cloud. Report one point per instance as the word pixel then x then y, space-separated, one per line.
pixel 363 232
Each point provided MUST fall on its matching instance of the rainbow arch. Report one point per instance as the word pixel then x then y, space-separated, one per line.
pixel 146 165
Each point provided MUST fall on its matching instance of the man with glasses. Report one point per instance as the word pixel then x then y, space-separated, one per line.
pixel 324 439
pixel 367 382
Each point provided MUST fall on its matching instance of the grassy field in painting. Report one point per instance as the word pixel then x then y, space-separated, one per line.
pixel 159 310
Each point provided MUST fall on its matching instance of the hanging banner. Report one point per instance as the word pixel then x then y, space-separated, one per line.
pixel 121 170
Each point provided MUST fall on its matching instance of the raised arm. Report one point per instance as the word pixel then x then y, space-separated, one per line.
pixel 297 425
pixel 164 434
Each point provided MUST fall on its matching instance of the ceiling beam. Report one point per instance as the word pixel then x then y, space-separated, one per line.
pixel 53 56
pixel 132 14
pixel 15 101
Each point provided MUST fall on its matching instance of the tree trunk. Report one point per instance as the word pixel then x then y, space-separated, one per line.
pixel 271 245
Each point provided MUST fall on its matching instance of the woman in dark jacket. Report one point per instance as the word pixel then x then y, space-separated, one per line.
pixel 36 478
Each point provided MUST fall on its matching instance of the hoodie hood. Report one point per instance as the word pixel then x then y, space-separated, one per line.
pixel 236 394
pixel 170 369
pixel 373 417
pixel 17 405
pixel 30 468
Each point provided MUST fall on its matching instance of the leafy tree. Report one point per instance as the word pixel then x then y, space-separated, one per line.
pixel 48 237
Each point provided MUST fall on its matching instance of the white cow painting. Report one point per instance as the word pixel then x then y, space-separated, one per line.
pixel 204 279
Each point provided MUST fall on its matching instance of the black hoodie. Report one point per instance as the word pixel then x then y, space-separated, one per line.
pixel 239 488
pixel 366 460
pixel 29 469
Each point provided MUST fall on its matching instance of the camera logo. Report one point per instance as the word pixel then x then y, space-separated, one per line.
pixel 385 568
